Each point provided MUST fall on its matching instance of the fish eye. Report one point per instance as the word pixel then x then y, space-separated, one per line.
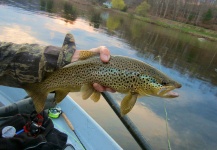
pixel 164 83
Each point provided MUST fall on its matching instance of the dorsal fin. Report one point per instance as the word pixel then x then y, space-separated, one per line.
pixel 84 54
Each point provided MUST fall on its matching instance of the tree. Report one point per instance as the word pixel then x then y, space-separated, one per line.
pixel 118 4
pixel 50 5
pixel 208 15
pixel 167 4
pixel 142 8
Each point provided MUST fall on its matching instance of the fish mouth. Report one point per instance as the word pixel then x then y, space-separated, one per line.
pixel 170 94
pixel 178 85
pixel 167 92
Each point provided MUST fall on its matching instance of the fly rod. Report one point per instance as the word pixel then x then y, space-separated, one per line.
pixel 143 143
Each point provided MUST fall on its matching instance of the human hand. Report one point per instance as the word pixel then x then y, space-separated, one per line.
pixel 104 56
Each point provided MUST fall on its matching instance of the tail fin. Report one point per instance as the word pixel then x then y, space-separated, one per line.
pixel 38 95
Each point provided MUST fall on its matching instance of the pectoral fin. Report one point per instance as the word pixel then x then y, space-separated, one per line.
pixel 60 95
pixel 95 96
pixel 86 91
pixel 38 96
pixel 128 102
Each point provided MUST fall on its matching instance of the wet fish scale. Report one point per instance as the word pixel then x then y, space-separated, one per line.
pixel 123 74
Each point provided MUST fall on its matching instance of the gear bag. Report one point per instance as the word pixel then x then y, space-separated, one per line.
pixel 32 131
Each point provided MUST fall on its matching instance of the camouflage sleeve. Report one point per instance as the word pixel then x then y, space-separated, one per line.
pixel 28 63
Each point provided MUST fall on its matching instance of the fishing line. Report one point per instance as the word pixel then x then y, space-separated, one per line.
pixel 75 139
pixel 159 61
pixel 168 140
pixel 165 109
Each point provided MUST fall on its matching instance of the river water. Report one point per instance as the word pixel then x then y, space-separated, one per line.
pixel 192 61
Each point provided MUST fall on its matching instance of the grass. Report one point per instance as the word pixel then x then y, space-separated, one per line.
pixel 186 28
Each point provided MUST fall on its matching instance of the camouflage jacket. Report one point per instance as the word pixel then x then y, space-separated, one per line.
pixel 28 63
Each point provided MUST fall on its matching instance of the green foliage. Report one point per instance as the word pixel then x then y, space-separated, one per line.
pixel 95 19
pixel 207 16
pixel 50 4
pixel 136 30
pixel 191 17
pixel 125 8
pixel 43 4
pixel 70 12
pixel 143 8
pixel 69 9
pixel 113 22
pixel 131 15
pixel 47 5
pixel 100 1
pixel 118 4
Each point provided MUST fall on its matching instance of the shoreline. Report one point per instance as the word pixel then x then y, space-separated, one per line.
pixel 182 27
pixel 196 31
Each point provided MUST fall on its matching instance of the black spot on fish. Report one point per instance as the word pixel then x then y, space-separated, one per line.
pixel 164 83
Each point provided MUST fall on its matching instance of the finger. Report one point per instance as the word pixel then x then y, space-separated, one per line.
pixel 101 88
pixel 104 53
pixel 110 90
pixel 98 87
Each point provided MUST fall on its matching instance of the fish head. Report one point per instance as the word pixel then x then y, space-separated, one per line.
pixel 159 85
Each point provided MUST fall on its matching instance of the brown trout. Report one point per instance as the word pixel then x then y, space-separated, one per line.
pixel 125 75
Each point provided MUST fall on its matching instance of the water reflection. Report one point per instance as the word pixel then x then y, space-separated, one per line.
pixel 140 117
pixel 192 62
pixel 96 19
pixel 112 23
pixel 47 5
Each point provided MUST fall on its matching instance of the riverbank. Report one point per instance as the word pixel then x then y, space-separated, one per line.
pixel 186 28
pixel 197 31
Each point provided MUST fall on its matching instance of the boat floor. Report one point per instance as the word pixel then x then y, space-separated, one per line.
pixel 73 139
pixel 87 133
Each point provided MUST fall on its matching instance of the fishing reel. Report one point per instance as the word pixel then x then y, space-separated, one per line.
pixel 35 129
pixel 54 112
